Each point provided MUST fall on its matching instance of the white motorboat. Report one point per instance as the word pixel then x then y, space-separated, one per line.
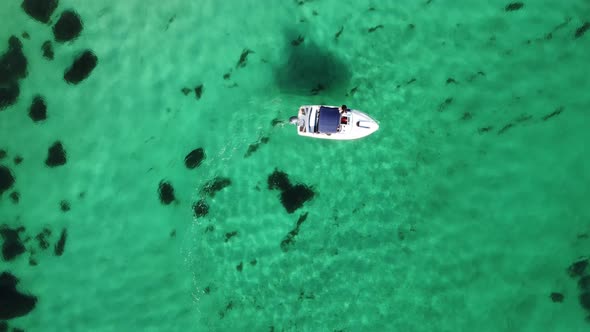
pixel 331 122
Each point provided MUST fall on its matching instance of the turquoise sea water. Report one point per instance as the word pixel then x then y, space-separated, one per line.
pixel 462 213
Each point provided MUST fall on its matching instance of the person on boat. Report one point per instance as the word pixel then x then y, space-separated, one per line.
pixel 343 109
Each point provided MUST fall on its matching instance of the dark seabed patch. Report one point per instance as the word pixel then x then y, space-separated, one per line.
pixel 200 208
pixel 298 41
pixel 81 68
pixel 554 113
pixel 584 283
pixel 38 109
pixel 310 69
pixel 194 158
pixel 56 155
pixel 47 49
pixel 18 160
pixel 582 30
pixel 277 122
pixel 279 180
pixel 8 94
pixel 68 27
pixel 513 6
pixel 585 300
pixel 254 146
pixel 290 238
pixel 6 179
pixel 13 67
pixel 40 10
pixel 451 80
pixel 338 33
pixel 12 245
pixel 14 197
pixel 292 196
pixel 229 235
pixel 213 186
pixel 166 192
pixel 445 104
pixel 42 238
pixel 199 91
pixel 485 129
pixel 64 206
pixel 505 128
pixel 243 58
pixel 578 268
pixel 556 297
pixel 375 28
pixel 12 302
pixel 61 243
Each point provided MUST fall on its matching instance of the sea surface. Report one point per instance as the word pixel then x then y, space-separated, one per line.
pixel 150 181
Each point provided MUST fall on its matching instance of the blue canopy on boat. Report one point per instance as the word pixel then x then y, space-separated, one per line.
pixel 329 120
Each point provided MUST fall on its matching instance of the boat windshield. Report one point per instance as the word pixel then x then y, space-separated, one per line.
pixel 328 120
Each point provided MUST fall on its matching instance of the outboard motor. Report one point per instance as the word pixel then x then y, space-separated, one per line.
pixel 294 120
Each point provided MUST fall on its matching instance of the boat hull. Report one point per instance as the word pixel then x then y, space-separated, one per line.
pixel 353 124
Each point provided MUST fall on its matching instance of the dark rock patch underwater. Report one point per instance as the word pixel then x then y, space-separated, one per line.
pixel 13 67
pixel 40 10
pixel 292 196
pixel 12 302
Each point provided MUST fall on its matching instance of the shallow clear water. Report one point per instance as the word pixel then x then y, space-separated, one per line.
pixel 463 212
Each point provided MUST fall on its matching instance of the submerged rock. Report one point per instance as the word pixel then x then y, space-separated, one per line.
pixel 279 180
pixel 292 196
pixel 13 63
pixel 194 158
pixel 584 283
pixel 212 187
pixel 582 30
pixel 47 49
pixel 12 302
pixel 15 197
pixel 12 245
pixel 81 68
pixel 254 146
pixel 578 268
pixel 243 58
pixel 585 300
pixel 40 10
pixel 13 67
pixel 61 243
pixel 514 6
pixel 68 27
pixel 200 208
pixel 556 297
pixel 64 206
pixel 199 91
pixel 6 179
pixel 166 192
pixel 289 240
pixel 38 109
pixel 56 155
pixel 9 95
pixel 42 238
